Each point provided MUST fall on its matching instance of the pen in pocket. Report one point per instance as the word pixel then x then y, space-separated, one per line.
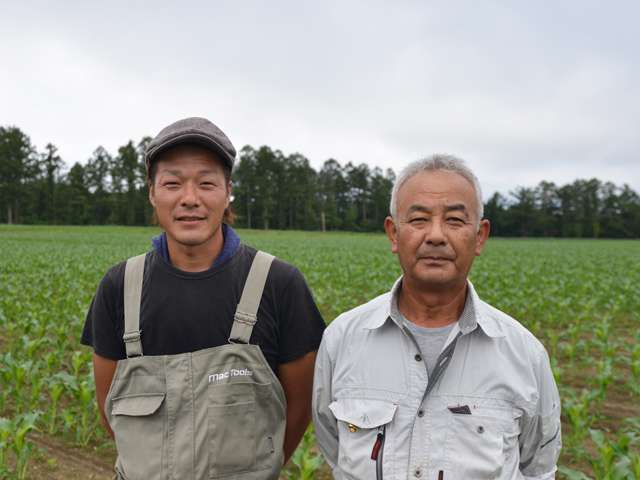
pixel 460 410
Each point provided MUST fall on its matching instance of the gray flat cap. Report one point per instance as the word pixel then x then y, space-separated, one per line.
pixel 192 130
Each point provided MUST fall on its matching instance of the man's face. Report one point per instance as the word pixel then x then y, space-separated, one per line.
pixel 437 233
pixel 190 194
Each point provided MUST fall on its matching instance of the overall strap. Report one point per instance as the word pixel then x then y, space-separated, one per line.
pixel 246 314
pixel 133 276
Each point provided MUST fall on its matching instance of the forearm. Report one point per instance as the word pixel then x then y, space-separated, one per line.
pixel 296 378
pixel 103 371
pixel 297 422
pixel 105 423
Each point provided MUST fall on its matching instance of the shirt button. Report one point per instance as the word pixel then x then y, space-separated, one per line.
pixel 418 357
pixel 417 473
pixel 480 429
pixel 421 413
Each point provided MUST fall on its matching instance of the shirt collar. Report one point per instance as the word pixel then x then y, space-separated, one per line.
pixel 473 314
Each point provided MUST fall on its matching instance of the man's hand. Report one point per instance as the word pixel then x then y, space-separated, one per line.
pixel 297 381
pixel 103 370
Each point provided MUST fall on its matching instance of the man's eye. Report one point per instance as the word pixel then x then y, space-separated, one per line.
pixel 417 220
pixel 456 220
pixel 171 184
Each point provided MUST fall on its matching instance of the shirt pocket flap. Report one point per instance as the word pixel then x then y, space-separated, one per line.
pixel 363 413
pixel 137 405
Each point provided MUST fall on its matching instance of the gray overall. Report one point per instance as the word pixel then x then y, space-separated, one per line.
pixel 214 413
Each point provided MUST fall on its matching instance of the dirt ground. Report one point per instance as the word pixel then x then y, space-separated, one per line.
pixel 59 461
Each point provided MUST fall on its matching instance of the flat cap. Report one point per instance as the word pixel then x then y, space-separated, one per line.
pixel 192 130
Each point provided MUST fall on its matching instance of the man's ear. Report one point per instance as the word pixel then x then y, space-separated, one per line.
pixel 483 234
pixel 229 192
pixel 392 233
pixel 151 194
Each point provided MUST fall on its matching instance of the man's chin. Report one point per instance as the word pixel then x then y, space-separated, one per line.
pixel 193 240
pixel 437 283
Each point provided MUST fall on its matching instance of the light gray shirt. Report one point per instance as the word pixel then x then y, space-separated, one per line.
pixel 490 409
pixel 430 341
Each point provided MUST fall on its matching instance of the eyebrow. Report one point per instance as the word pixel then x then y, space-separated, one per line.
pixel 418 208
pixel 178 173
pixel 455 207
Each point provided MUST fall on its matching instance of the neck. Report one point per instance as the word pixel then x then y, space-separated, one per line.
pixel 431 309
pixel 195 258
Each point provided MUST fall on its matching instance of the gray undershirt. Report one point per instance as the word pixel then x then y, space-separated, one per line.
pixel 430 341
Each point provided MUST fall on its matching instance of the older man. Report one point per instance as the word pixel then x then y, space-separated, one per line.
pixel 428 381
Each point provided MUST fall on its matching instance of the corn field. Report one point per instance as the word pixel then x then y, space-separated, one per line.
pixel 580 297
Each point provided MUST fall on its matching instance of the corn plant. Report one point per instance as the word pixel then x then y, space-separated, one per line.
pixel 634 367
pixel 306 461
pixel 603 378
pixel 56 386
pixel 13 439
pixel 89 420
pixel 5 379
pixel 615 459
pixel 576 408
pixel 6 429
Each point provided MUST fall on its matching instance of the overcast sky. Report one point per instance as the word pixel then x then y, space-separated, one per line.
pixel 524 91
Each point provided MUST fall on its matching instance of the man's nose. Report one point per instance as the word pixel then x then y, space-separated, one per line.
pixel 189 195
pixel 435 233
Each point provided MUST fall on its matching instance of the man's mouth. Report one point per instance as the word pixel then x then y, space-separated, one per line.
pixel 434 258
pixel 190 218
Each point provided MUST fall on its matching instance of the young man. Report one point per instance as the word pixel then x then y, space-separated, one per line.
pixel 428 381
pixel 203 347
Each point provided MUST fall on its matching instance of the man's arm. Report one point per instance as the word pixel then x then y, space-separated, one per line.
pixel 323 420
pixel 296 378
pixel 100 334
pixel 540 440
pixel 103 370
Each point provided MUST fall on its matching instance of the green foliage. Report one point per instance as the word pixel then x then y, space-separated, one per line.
pixel 18 166
pixel 306 459
pixel 14 441
pixel 615 458
pixel 272 190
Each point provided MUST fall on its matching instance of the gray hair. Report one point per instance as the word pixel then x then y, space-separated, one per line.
pixel 438 161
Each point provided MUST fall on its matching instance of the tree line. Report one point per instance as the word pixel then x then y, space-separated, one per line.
pixel 272 190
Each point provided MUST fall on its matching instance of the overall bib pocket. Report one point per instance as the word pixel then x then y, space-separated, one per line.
pixel 239 440
pixel 138 424
pixel 361 423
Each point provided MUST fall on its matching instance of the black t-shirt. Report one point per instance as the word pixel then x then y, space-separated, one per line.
pixel 184 311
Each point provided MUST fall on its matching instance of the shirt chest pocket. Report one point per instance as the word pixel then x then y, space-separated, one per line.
pixel 363 431
pixel 476 440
